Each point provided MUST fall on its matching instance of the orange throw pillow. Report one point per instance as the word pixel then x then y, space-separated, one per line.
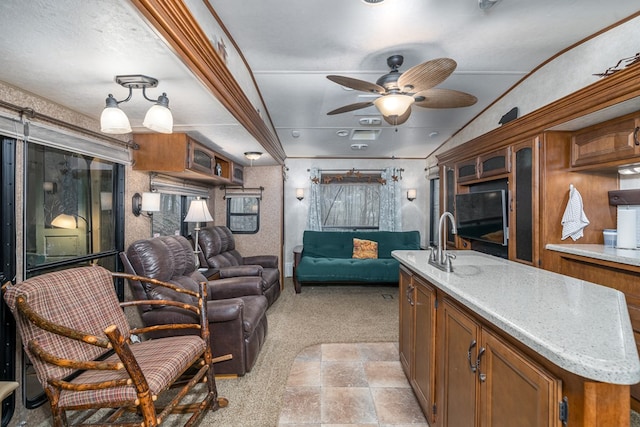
pixel 363 249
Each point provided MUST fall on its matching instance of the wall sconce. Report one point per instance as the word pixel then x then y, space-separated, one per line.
pixel 158 117
pixel 50 187
pixel 299 193
pixel 147 202
pixel 106 200
pixel 411 194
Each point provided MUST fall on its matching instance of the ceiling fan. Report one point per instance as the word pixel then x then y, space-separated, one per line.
pixel 398 91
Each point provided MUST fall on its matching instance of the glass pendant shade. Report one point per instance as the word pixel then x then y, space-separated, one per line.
pixel 159 117
pixel 394 104
pixel 114 120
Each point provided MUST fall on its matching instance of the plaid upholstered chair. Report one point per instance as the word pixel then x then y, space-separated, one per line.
pixel 77 336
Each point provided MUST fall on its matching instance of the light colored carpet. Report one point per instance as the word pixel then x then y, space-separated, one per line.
pixel 320 314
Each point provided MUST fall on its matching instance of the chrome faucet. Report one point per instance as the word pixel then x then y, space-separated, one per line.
pixel 440 258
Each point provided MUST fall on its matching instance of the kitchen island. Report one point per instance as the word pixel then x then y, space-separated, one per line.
pixel 496 342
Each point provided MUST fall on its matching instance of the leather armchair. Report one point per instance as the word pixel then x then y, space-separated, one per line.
pixel 218 251
pixel 236 306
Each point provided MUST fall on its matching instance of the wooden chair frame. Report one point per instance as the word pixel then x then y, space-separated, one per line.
pixel 123 360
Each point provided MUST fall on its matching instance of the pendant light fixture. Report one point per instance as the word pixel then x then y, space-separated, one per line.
pixel 158 117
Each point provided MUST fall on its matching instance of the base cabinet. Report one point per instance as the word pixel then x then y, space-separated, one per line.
pixel 462 372
pixel 515 391
pixel 417 338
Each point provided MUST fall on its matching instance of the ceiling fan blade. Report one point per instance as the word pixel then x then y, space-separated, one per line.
pixel 350 107
pixel 398 120
pixel 426 75
pixel 357 84
pixel 443 98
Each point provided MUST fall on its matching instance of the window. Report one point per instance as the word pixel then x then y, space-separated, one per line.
pixel 353 206
pixel 69 210
pixel 73 217
pixel 243 214
pixel 169 220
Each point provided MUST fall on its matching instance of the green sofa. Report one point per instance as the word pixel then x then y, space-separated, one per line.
pixel 326 257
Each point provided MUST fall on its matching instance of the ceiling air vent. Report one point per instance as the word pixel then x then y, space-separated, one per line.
pixel 365 134
pixel 370 121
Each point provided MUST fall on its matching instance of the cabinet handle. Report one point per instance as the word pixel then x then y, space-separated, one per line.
pixel 409 291
pixel 635 135
pixel 483 377
pixel 471 365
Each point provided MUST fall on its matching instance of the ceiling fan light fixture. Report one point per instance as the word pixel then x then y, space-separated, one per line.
pixel 394 104
pixel 373 1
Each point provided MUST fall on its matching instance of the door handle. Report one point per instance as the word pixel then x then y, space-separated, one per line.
pixel 635 135
pixel 409 291
pixel 483 377
pixel 471 365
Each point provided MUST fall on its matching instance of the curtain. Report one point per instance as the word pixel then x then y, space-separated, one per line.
pixel 390 201
pixel 314 219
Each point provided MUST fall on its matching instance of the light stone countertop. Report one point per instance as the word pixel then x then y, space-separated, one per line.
pixel 582 327
pixel 622 256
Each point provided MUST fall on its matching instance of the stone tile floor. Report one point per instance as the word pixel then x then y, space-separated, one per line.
pixel 359 384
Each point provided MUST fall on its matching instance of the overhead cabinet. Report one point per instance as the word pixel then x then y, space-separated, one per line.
pixel 484 166
pixel 179 155
pixel 614 142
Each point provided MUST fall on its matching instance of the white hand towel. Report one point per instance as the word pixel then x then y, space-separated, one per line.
pixel 574 219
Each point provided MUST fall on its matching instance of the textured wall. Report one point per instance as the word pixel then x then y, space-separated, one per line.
pixel 268 240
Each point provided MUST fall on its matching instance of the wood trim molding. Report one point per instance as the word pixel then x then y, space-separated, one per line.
pixel 174 23
pixel 616 88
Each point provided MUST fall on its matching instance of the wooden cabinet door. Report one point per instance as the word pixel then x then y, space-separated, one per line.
pixel 495 163
pixel 467 170
pixel 606 142
pixel 424 356
pixel 456 379
pixel 407 320
pixel 523 203
pixel 514 391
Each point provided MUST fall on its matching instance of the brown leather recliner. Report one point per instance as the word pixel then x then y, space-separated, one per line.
pixel 218 251
pixel 236 306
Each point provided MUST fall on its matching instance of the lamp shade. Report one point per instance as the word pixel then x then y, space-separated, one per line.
pixel 159 119
pixel 198 212
pixel 150 202
pixel 393 104
pixel 114 120
pixel 65 221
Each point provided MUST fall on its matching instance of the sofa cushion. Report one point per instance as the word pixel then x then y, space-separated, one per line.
pixel 339 244
pixel 314 269
pixel 364 249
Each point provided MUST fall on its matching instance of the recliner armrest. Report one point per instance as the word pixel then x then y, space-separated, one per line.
pixel 234 287
pixel 266 261
pixel 240 270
